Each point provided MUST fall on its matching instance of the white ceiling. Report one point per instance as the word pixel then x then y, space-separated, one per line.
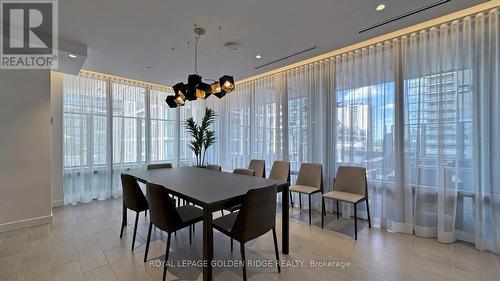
pixel 126 36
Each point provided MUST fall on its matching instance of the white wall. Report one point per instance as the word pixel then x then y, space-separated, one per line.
pixel 25 149
pixel 56 105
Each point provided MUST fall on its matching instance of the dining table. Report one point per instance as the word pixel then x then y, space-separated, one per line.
pixel 213 191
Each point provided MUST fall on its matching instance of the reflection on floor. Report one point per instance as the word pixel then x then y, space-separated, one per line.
pixel 83 244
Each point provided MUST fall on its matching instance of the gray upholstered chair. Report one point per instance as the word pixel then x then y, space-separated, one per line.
pixel 256 217
pixel 280 171
pixel 309 181
pixel 165 216
pixel 159 166
pixel 164 166
pixel 239 171
pixel 259 166
pixel 214 167
pixel 133 199
pixel 350 186
pixel 243 171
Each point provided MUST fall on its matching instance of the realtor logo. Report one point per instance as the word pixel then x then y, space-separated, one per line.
pixel 29 34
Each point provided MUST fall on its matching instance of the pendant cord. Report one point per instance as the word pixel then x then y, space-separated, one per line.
pixel 196 54
pixel 220 50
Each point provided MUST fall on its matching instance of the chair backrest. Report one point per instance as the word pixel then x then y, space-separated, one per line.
pixel 214 167
pixel 162 209
pixel 133 197
pixel 243 171
pixel 280 171
pixel 310 174
pixel 259 166
pixel 351 179
pixel 257 214
pixel 159 166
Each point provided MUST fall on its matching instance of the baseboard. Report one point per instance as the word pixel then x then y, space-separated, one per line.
pixel 57 203
pixel 25 223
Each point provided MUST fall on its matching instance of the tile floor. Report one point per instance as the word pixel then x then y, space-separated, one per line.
pixel 83 244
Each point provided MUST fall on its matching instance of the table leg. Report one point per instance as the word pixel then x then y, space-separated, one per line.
pixel 208 244
pixel 284 221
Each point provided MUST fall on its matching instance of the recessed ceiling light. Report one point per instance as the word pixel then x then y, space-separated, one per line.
pixel 72 56
pixel 149 68
pixel 380 7
pixel 233 46
pixel 258 56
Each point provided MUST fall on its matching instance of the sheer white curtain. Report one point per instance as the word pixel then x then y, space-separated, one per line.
pixel 309 118
pixel 452 144
pixel 368 130
pixel 234 123
pixel 129 131
pixel 85 140
pixel 265 130
pixel 250 123
pixel 162 130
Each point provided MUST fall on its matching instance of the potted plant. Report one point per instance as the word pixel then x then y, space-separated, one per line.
pixel 202 135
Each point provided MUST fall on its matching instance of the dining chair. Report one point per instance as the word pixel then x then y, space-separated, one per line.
pixel 351 186
pixel 133 199
pixel 256 217
pixel 159 166
pixel 243 171
pixel 214 167
pixel 280 171
pixel 164 166
pixel 165 216
pixel 259 166
pixel 309 181
pixel 239 171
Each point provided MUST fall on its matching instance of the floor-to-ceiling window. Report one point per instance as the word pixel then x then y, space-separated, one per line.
pixel 162 128
pixel 85 136
pixel 129 130
pixel 418 112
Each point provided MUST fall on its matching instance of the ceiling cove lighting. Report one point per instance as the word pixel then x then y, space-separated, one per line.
pixel 380 7
pixel 197 86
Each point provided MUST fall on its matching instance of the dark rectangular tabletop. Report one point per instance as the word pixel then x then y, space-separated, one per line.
pixel 204 187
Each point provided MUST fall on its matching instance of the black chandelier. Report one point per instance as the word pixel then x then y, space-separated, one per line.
pixel 196 87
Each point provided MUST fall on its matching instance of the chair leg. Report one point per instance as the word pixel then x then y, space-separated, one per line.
pixel 323 205
pixel 291 200
pixel 121 230
pixel 147 242
pixel 338 216
pixel 167 251
pixel 368 211
pixel 243 259
pixel 135 230
pixel 300 201
pixel 322 211
pixel 355 222
pixel 310 209
pixel 276 251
